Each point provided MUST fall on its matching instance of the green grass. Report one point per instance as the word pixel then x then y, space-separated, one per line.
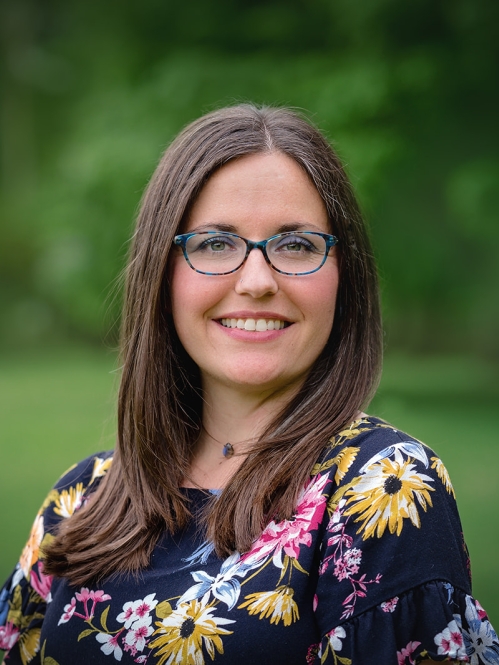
pixel 56 408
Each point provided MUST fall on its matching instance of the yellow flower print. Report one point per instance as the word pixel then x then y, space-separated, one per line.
pixel 350 432
pixel 69 501
pixel 30 552
pixel 29 644
pixel 183 633
pixel 343 460
pixel 52 496
pixel 443 474
pixel 277 605
pixel 101 466
pixel 387 494
pixel 354 430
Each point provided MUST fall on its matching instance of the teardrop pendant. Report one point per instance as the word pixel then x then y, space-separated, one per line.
pixel 228 450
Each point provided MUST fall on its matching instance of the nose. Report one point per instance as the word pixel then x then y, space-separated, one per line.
pixel 256 278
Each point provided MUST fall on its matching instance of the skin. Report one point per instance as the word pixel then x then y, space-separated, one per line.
pixel 247 377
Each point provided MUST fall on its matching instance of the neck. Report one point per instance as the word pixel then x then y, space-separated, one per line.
pixel 235 418
pixel 240 417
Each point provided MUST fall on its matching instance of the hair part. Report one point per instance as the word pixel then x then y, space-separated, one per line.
pixel 160 400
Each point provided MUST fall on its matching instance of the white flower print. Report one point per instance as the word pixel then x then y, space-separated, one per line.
pixel 450 641
pixel 200 555
pixel 137 609
pixel 69 610
pixel 482 644
pixel 69 501
pixel 140 630
pixel 390 605
pixel 335 636
pixel 110 645
pixel 224 586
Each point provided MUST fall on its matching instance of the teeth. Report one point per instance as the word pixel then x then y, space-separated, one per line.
pixel 258 325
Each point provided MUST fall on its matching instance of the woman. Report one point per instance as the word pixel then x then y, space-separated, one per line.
pixel 251 512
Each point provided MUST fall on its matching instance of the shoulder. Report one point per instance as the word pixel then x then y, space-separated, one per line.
pixel 73 488
pixel 394 569
pixel 390 498
pixel 387 483
pixel 365 439
pixel 25 594
pixel 68 494
pixel 85 473
pixel 372 448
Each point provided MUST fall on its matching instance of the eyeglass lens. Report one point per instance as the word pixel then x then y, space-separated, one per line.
pixel 288 252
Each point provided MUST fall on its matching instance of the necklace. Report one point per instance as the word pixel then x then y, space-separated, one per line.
pixel 228 450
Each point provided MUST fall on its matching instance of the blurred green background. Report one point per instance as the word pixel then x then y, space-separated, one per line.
pixel 92 92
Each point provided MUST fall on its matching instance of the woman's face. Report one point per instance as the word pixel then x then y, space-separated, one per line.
pixel 255 197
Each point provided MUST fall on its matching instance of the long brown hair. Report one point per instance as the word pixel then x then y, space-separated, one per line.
pixel 160 406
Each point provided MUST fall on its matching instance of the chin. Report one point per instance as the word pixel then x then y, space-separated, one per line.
pixel 263 381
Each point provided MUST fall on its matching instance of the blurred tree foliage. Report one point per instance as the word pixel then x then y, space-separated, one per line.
pixel 92 92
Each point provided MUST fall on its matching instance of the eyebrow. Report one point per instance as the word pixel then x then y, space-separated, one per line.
pixel 230 228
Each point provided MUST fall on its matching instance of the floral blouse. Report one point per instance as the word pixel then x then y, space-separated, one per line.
pixel 372 568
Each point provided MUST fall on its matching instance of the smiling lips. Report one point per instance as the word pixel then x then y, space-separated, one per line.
pixel 257 325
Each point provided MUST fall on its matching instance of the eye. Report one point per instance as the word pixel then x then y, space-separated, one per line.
pixel 215 244
pixel 295 243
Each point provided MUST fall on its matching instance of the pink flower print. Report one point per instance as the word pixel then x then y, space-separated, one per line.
pixel 407 652
pixel 136 609
pixel 99 596
pixel 312 653
pixel 141 659
pixel 110 644
pixel 41 583
pixel 130 649
pixel 482 614
pixel 390 605
pixel 69 610
pixel 450 641
pixel 348 564
pixel 9 634
pixel 335 636
pixel 288 535
pixel 84 595
pixel 138 633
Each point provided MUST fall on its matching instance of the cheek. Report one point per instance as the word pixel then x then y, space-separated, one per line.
pixel 192 296
pixel 322 299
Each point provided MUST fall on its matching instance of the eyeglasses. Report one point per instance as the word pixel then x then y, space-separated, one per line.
pixel 291 253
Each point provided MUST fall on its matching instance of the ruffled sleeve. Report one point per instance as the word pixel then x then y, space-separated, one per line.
pixel 394 583
pixel 25 595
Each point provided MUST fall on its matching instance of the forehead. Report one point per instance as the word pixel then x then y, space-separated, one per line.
pixel 266 188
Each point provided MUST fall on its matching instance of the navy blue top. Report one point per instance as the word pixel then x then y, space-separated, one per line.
pixel 372 568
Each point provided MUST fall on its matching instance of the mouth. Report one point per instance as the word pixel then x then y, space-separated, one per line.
pixel 256 325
